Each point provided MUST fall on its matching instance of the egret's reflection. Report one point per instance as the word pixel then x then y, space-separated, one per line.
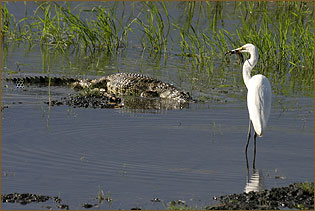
pixel 255 182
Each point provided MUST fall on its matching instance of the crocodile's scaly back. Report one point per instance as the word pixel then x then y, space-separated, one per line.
pixel 118 84
pixel 144 86
pixel 40 80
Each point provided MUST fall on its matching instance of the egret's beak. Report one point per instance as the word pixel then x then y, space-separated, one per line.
pixel 235 51
pixel 238 52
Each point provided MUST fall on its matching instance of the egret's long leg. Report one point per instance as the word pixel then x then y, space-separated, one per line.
pixel 248 135
pixel 247 173
pixel 248 138
pixel 254 150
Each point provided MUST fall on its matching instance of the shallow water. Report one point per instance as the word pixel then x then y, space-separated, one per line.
pixel 191 154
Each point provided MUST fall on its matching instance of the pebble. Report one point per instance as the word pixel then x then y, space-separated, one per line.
pixel 26 198
pixel 88 206
pixel 156 200
pixel 23 198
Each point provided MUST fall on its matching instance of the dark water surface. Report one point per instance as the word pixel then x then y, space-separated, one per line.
pixel 134 155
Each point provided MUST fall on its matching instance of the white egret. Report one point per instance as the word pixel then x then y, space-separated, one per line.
pixel 258 95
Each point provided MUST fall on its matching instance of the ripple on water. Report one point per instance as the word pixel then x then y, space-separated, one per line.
pixel 97 144
pixel 169 155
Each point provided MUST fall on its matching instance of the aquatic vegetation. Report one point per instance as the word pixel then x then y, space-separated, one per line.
pixel 102 197
pixel 282 31
pixel 58 26
pixel 12 29
pixel 307 186
pixel 178 205
pixel 155 27
pixel 285 41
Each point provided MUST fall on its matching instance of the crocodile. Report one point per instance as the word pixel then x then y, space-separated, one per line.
pixel 134 85
pixel 117 85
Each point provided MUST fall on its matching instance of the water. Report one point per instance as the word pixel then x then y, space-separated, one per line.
pixel 192 154
pixel 138 155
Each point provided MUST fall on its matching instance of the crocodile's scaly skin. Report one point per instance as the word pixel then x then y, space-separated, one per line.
pixel 117 84
pixel 42 80
pixel 140 85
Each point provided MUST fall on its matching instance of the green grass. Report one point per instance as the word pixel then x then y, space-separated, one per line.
pixel 307 186
pixel 154 27
pixel 58 27
pixel 282 31
pixel 285 41
pixel 178 205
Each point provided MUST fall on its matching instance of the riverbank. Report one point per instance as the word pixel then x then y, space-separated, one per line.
pixel 294 196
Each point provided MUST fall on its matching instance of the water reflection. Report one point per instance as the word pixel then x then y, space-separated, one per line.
pixel 144 104
pixel 255 182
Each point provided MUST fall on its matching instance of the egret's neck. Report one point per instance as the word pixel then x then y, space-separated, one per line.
pixel 248 66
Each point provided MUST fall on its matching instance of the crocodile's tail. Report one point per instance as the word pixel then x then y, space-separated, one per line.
pixel 41 80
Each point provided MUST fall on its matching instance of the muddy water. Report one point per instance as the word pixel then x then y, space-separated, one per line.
pixel 135 156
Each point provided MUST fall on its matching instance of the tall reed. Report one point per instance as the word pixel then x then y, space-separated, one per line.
pixel 282 31
pixel 285 40
pixel 155 28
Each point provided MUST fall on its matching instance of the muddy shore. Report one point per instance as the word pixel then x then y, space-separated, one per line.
pixel 294 196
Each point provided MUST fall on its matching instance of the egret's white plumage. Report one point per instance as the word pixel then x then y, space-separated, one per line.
pixel 258 95
pixel 259 102
pixel 259 91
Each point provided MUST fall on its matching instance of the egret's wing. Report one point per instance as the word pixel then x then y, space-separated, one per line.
pixel 259 102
